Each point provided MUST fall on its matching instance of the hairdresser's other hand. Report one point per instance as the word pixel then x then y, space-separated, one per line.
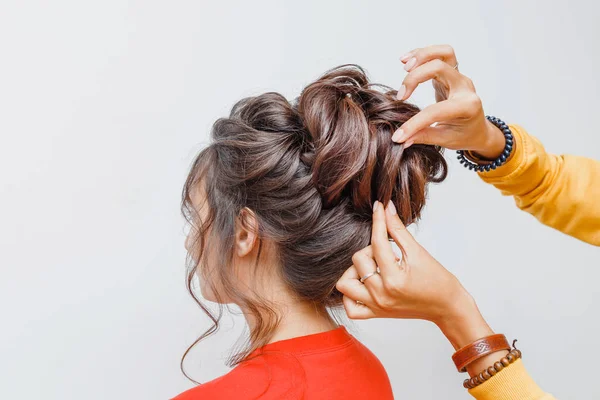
pixel 417 287
pixel 461 122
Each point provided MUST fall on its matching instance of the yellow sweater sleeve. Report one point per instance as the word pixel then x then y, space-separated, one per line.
pixel 560 191
pixel 512 383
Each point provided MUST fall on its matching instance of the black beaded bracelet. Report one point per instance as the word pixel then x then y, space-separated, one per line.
pixel 493 164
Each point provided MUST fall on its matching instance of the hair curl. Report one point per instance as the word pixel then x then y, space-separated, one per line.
pixel 310 171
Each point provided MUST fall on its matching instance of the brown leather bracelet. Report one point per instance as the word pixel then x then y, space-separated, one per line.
pixel 479 348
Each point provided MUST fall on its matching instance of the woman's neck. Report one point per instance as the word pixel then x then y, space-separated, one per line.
pixel 298 319
pixel 302 319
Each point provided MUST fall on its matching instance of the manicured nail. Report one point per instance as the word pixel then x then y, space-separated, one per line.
pixel 398 136
pixel 410 64
pixel 405 57
pixel 391 209
pixel 408 144
pixel 375 206
pixel 401 92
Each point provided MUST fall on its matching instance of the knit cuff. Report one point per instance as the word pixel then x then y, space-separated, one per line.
pixel 511 383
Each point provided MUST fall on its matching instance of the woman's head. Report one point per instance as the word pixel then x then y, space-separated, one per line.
pixel 284 191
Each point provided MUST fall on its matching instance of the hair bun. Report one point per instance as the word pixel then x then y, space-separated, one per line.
pixel 351 121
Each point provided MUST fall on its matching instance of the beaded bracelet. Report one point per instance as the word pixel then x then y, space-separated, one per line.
pixel 493 164
pixel 498 366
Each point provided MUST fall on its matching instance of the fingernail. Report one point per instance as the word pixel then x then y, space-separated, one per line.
pixel 391 209
pixel 408 144
pixel 401 92
pixel 398 136
pixel 375 206
pixel 406 57
pixel 410 64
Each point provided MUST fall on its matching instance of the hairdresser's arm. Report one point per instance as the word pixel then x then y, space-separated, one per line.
pixel 560 191
pixel 421 288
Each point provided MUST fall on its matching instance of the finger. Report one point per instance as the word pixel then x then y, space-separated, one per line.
pixel 350 273
pixel 442 52
pixel 434 69
pixel 442 111
pixel 407 56
pixel 356 311
pixel 436 135
pixel 368 251
pixel 364 263
pixel 352 288
pixel 446 110
pixel 382 249
pixel 405 241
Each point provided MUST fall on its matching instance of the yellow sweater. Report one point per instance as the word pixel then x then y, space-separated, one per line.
pixel 560 191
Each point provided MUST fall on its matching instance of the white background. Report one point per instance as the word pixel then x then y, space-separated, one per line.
pixel 104 104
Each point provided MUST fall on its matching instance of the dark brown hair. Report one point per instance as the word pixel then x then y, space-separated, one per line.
pixel 310 171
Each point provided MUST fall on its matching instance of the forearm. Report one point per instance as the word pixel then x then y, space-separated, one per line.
pixel 464 325
pixel 560 191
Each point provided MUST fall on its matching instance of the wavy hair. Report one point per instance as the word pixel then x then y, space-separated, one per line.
pixel 310 171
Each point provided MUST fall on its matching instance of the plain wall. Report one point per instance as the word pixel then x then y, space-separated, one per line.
pixel 104 104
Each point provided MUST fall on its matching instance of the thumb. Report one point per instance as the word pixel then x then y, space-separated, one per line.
pixel 397 230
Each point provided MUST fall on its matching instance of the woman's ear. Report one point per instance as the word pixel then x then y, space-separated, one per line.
pixel 246 232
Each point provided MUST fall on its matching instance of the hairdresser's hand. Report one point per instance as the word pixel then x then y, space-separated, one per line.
pixel 461 122
pixel 417 287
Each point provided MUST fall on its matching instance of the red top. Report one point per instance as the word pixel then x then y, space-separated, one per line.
pixel 327 365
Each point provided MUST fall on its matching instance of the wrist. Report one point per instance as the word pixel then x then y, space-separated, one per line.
pixel 494 143
pixel 464 324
